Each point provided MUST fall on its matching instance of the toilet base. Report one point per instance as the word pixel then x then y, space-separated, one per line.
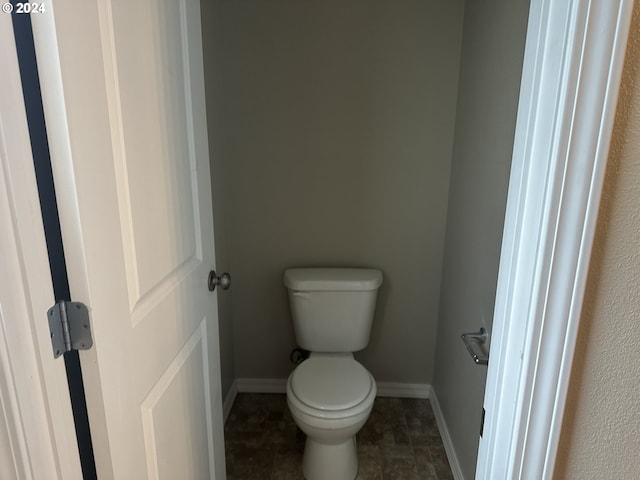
pixel 334 461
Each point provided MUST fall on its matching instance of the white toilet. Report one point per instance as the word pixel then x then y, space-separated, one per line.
pixel 330 394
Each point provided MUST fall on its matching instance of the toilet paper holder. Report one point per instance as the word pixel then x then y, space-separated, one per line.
pixel 474 342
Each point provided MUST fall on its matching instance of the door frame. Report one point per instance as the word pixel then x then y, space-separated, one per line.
pixel 571 73
pixel 37 434
pixel 573 62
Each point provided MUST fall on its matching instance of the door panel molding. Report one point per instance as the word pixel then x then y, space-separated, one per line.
pixel 146 287
pixel 194 351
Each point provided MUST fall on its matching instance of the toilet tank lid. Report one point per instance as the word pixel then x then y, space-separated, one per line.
pixel 332 279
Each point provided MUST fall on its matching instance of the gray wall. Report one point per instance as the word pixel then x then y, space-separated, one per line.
pixel 491 62
pixel 220 176
pixel 338 131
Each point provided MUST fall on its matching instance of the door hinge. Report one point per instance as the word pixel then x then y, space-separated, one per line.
pixel 69 327
pixel 482 423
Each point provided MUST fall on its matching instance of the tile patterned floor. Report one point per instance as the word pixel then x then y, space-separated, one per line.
pixel 400 441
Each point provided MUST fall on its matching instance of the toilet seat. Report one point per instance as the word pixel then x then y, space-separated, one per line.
pixel 331 387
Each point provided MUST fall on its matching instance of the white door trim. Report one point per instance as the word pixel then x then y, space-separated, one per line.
pixel 572 67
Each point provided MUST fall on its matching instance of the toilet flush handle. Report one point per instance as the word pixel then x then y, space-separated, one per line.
pixel 297 293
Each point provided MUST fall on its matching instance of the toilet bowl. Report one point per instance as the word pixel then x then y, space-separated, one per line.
pixel 330 397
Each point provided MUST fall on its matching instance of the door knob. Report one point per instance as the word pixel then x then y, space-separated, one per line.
pixel 223 280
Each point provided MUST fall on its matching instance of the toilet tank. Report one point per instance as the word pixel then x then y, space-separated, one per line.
pixel 332 308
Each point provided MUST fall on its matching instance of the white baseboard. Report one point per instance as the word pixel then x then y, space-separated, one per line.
pixel 229 399
pixel 456 470
pixel 385 389
pixel 404 390
pixel 262 385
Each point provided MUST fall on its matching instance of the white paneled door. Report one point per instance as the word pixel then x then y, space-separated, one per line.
pixel 123 92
